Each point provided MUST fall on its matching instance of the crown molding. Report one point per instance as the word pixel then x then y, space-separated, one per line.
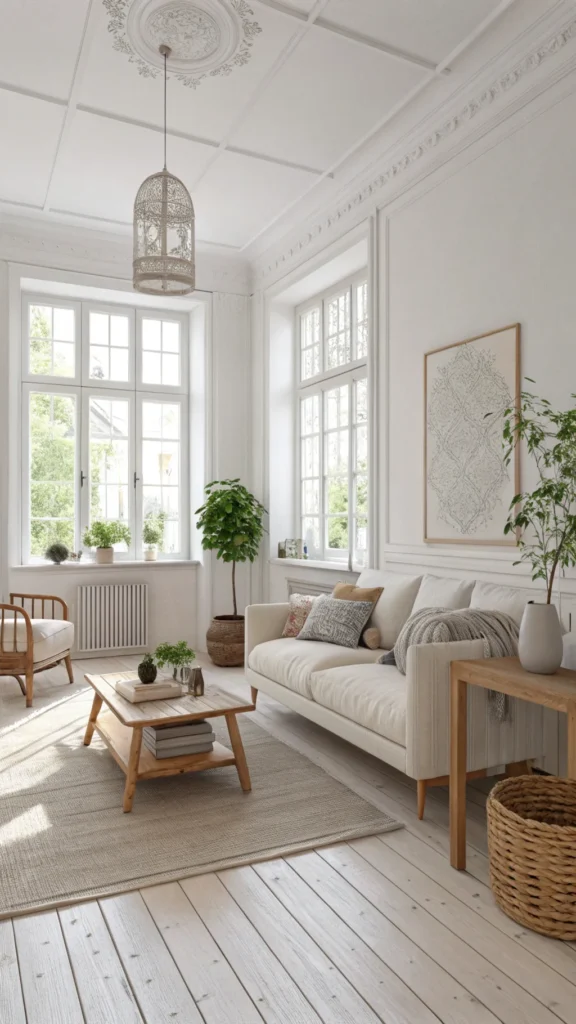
pixel 526 69
pixel 106 254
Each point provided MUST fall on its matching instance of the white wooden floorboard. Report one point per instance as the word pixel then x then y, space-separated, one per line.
pixel 11 999
pixel 436 987
pixel 156 981
pixel 327 990
pixel 277 997
pixel 382 989
pixel 531 974
pixel 102 985
pixel 47 981
pixel 508 1002
pixel 479 898
pixel 214 985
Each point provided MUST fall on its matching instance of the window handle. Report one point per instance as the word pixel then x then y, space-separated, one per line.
pixel 136 479
pixel 83 477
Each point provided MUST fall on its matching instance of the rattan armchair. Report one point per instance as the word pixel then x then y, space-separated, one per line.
pixel 29 644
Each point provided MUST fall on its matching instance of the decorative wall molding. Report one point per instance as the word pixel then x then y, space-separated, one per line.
pixel 207 37
pixel 67 247
pixel 439 136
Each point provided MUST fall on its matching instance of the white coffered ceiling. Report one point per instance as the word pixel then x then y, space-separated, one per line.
pixel 266 98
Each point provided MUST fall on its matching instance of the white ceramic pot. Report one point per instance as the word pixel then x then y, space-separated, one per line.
pixel 151 553
pixel 104 556
pixel 540 647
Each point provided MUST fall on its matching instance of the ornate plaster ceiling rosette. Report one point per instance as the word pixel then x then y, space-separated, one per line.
pixel 207 37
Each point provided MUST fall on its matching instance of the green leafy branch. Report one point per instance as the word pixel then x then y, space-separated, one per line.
pixel 544 520
pixel 231 522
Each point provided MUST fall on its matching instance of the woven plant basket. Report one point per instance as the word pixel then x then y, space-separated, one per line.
pixel 225 640
pixel 532 849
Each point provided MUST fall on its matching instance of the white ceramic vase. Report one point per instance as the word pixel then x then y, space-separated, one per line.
pixel 104 556
pixel 540 646
pixel 150 553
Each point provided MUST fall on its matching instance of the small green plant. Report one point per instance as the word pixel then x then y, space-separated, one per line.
pixel 544 520
pixel 147 670
pixel 105 533
pixel 57 553
pixel 153 527
pixel 177 655
pixel 231 520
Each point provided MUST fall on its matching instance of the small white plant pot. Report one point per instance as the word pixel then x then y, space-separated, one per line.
pixel 151 553
pixel 540 647
pixel 104 556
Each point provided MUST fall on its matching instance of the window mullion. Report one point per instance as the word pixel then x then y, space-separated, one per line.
pixel 322 481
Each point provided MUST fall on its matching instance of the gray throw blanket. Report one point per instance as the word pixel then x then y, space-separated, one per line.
pixel 441 625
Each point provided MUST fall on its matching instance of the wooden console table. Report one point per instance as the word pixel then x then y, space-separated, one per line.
pixel 505 675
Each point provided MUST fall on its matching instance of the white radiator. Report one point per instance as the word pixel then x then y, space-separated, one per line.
pixel 112 616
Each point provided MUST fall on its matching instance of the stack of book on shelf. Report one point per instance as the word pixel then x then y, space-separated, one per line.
pixel 175 740
pixel 135 691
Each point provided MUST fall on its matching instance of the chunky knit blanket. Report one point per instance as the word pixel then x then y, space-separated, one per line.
pixel 440 625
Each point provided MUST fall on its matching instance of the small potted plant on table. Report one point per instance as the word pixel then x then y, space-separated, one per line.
pixel 231 521
pixel 103 534
pixel 153 533
pixel 180 656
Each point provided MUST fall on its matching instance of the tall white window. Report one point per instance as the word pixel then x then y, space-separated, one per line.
pixel 332 397
pixel 105 423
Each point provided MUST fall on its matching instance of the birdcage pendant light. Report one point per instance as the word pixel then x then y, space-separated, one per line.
pixel 164 258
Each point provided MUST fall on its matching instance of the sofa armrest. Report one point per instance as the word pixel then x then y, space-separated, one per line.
pixel 490 742
pixel 264 622
pixel 428 705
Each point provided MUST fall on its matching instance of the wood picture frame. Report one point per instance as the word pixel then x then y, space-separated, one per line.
pixel 494 359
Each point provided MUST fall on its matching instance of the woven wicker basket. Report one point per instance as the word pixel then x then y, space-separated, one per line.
pixel 225 640
pixel 532 848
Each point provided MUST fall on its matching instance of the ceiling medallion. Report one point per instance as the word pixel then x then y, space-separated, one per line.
pixel 206 37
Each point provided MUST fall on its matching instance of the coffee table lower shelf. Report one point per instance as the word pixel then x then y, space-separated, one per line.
pixel 118 738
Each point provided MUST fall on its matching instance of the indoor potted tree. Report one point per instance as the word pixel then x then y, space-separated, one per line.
pixel 179 656
pixel 103 534
pixel 544 519
pixel 231 522
pixel 153 533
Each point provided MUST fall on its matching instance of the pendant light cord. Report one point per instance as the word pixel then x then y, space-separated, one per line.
pixel 165 108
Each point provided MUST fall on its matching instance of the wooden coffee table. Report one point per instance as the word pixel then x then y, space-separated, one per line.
pixel 121 725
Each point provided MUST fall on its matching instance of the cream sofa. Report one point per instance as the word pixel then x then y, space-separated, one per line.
pixel 404 720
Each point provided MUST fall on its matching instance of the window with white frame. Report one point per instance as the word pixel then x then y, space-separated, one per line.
pixel 332 417
pixel 105 421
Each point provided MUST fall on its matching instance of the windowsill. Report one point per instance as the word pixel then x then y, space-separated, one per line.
pixel 311 563
pixel 170 563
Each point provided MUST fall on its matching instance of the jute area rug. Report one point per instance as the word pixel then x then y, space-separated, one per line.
pixel 64 838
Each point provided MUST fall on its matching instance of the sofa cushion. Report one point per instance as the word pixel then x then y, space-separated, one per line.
pixel 395 604
pixel 336 622
pixel 300 605
pixel 372 695
pixel 439 592
pixel 291 662
pixel 50 636
pixel 491 597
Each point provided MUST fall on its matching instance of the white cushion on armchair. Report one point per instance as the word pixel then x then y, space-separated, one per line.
pixel 50 636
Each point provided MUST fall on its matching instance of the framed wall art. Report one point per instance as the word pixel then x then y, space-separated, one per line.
pixel 467 486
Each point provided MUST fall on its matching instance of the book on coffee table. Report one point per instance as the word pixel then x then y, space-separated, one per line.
pixel 135 691
pixel 174 740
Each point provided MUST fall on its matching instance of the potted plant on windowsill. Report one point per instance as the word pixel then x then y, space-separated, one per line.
pixel 544 520
pixel 179 656
pixel 103 534
pixel 231 522
pixel 153 533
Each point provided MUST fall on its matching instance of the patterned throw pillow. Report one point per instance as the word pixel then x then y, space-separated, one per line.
pixel 334 621
pixel 350 592
pixel 300 605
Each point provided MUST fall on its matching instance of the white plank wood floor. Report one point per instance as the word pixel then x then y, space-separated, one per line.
pixel 380 929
